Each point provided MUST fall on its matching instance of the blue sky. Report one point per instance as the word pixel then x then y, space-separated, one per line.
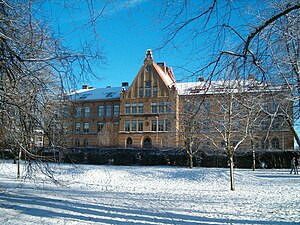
pixel 125 33
pixel 127 28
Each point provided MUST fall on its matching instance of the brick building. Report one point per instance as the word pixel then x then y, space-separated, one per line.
pixel 157 111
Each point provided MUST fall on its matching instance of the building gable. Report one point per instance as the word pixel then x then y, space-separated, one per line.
pixel 152 80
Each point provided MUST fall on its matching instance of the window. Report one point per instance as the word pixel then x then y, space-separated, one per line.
pixel 236 125
pixel 78 111
pixel 154 125
pixel 127 125
pixel 141 92
pixel 77 127
pixel 100 110
pixel 108 111
pixel 275 143
pixel 140 108
pixel 100 126
pixel 235 105
pixel 264 125
pixel 148 91
pixel 207 106
pixel 223 105
pixel 160 125
pixel 133 125
pixel 274 106
pixel 187 107
pixel 206 125
pixel 133 108
pixel 161 107
pixel 276 123
pixel 66 112
pixel 266 106
pixel 140 125
pixel 154 107
pixel 197 125
pixel 127 108
pixel 168 125
pixel 86 127
pixel 87 111
pixel 116 110
pixel 154 91
pixel 168 107
pixel 148 83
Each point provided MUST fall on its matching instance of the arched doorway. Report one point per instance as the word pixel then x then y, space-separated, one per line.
pixel 147 143
pixel 129 142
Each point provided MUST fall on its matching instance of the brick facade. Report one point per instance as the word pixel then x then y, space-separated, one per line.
pixel 153 111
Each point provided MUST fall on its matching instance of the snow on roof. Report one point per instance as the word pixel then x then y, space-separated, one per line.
pixel 96 94
pixel 167 79
pixel 221 86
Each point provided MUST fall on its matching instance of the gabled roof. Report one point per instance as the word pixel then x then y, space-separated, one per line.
pixel 96 94
pixel 166 76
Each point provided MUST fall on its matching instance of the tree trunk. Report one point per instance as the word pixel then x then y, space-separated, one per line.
pixel 19 158
pixel 231 173
pixel 189 154
pixel 253 155
pixel 191 164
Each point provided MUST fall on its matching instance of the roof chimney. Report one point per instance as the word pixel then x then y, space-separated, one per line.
pixel 124 84
pixel 162 65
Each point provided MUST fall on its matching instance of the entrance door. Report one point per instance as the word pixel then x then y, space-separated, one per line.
pixel 147 143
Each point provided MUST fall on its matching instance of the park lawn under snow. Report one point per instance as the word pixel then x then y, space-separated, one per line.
pixel 90 194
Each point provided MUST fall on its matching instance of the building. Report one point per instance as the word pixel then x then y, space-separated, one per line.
pixel 157 111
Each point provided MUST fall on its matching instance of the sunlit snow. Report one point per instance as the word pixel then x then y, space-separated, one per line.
pixel 90 194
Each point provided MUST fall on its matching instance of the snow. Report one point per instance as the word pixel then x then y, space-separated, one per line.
pixel 96 94
pixel 93 194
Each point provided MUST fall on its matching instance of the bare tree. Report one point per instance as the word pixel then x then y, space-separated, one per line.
pixel 35 68
pixel 108 136
pixel 262 37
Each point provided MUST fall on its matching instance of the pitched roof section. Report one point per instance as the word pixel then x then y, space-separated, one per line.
pixel 166 75
pixel 96 94
pixel 221 86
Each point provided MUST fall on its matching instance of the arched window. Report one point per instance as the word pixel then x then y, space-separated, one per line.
pixel 275 143
pixel 129 142
pixel 85 142
pixel 77 142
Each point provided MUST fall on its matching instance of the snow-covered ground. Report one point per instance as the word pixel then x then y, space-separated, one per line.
pixel 89 194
